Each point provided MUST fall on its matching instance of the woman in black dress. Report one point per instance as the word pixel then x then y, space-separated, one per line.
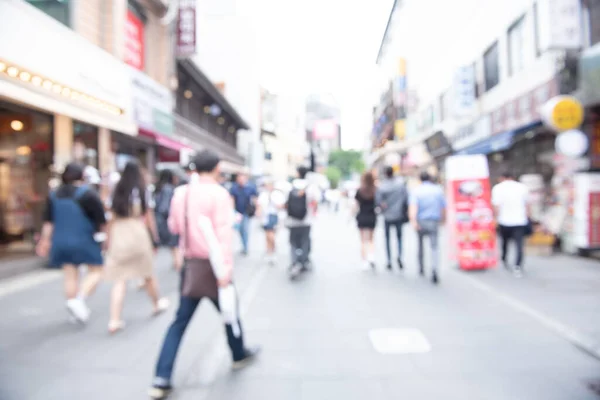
pixel 366 217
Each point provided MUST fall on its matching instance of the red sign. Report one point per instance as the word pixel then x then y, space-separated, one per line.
pixel 134 41
pixel 186 28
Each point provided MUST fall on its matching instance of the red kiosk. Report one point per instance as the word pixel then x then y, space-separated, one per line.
pixel 471 224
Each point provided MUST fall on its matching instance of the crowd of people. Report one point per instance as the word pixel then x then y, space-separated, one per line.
pixel 196 219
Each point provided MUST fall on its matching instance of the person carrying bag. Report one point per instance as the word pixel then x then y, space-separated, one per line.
pixel 201 214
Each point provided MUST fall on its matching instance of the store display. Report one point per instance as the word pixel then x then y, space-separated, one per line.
pixel 587 211
pixel 470 214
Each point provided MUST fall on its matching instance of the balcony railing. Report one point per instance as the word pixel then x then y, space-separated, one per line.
pixel 200 138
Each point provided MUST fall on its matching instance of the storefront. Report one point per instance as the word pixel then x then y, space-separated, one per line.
pixel 439 148
pixel 57 103
pixel 153 113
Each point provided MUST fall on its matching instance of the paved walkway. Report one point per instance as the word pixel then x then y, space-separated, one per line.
pixel 316 335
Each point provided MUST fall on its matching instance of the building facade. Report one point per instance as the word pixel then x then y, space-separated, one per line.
pixel 94 84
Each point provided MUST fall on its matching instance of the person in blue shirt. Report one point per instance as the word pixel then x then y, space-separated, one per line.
pixel 427 210
pixel 244 195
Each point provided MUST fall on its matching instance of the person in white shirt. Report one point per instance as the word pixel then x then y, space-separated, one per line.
pixel 270 202
pixel 509 199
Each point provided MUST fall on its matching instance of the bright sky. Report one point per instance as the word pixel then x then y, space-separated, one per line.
pixel 324 46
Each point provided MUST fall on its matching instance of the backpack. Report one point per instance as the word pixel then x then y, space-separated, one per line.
pixel 297 206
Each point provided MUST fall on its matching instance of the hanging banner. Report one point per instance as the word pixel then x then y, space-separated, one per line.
pixel 470 214
pixel 186 28
pixel 464 91
pixel 134 41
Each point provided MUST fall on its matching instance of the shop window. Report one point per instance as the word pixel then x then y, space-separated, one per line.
pixel 60 10
pixel 516 41
pixel 85 144
pixel 491 69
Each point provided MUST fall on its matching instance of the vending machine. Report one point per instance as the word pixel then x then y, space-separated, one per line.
pixel 471 226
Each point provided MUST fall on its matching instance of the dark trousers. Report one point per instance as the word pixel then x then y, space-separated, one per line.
pixel 300 244
pixel 516 233
pixel 388 227
pixel 168 354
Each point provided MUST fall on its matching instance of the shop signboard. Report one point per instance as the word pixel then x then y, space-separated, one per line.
pixel 60 54
pixel 594 150
pixel 186 28
pixel 134 41
pixel 589 67
pixel 559 24
pixel 438 145
pixel 562 113
pixel 464 91
pixel 152 104
pixel 524 109
pixel 586 207
pixel 470 214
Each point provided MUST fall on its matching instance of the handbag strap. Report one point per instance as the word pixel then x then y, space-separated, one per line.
pixel 185 221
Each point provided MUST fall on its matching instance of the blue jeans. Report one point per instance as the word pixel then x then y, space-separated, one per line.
pixel 388 227
pixel 244 228
pixel 185 312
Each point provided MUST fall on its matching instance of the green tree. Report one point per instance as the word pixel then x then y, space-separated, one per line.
pixel 347 161
pixel 334 175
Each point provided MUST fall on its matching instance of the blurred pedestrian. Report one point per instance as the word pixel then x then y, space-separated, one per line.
pixel 510 201
pixel 392 199
pixel 427 210
pixel 366 217
pixel 244 195
pixel 203 197
pixel 302 204
pixel 270 202
pixel 130 254
pixel 74 222
pixel 162 200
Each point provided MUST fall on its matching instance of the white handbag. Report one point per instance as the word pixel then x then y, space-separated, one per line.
pixel 228 302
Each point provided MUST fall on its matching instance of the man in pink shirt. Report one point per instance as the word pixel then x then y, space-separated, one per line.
pixel 203 196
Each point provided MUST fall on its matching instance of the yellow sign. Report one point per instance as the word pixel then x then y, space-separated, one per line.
pixel 400 128
pixel 563 113
pixel 402 67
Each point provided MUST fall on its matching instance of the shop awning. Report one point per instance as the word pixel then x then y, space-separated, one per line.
pixel 164 141
pixel 500 142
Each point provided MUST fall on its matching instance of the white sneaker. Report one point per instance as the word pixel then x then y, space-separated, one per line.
pixel 271 260
pixel 78 310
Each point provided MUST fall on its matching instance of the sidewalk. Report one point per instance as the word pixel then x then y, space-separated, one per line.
pixel 43 356
pixel 564 288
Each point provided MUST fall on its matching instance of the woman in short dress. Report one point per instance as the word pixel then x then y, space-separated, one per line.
pixel 366 217
pixel 270 202
pixel 130 253
pixel 74 220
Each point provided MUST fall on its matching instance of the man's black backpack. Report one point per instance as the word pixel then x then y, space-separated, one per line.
pixel 297 206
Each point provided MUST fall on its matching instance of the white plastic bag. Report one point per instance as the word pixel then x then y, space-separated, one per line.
pixel 228 302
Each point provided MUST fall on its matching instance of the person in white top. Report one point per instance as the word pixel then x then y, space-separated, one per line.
pixel 270 202
pixel 509 199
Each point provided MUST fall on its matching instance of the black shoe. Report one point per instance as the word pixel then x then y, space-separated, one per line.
pixel 400 265
pixel 159 392
pixel 421 272
pixel 434 279
pixel 389 266
pixel 249 357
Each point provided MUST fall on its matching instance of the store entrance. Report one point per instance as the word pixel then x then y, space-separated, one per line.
pixel 25 160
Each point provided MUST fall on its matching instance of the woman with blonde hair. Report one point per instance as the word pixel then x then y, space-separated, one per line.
pixel 366 217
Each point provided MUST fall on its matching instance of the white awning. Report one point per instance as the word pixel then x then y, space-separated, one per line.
pixel 16 93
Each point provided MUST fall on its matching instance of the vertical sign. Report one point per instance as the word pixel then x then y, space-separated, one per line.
pixel 464 90
pixel 186 28
pixel 134 41
pixel 400 100
pixel 559 26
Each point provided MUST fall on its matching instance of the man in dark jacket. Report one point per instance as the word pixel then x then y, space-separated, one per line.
pixel 392 199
